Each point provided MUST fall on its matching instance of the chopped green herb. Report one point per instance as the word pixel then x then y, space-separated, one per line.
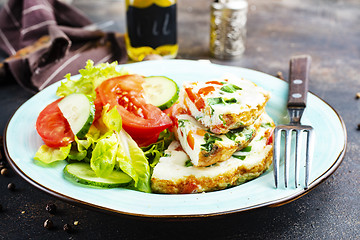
pixel 188 163
pixel 234 133
pixel 246 149
pixel 181 122
pixel 266 125
pixel 214 101
pixel 231 100
pixel 220 100
pixel 209 141
pixel 222 119
pixel 212 165
pixel 230 88
pixel 248 135
pixel 239 157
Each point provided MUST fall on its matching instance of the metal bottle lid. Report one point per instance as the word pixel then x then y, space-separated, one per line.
pixel 228 28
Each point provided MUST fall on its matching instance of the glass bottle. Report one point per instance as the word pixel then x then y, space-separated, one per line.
pixel 151 28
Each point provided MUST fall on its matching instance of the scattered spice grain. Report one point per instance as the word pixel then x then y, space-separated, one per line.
pixel 67 228
pixel 48 224
pixel 280 75
pixel 4 171
pixel 2 164
pixel 357 96
pixel 358 127
pixel 11 186
pixel 51 208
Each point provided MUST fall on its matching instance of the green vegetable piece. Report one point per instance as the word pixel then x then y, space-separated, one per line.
pixel 230 101
pixel 230 88
pixel 214 101
pixel 82 173
pixel 112 119
pixel 79 111
pixel 79 149
pixel 103 156
pixel 220 100
pixel 161 91
pixel 132 161
pixel 234 133
pixel 266 125
pixel 181 122
pixel 188 163
pixel 91 77
pixel 239 157
pixel 155 151
pixel 48 155
pixel 246 149
pixel 222 119
pixel 209 142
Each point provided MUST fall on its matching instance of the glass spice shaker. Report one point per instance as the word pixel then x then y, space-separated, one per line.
pixel 228 28
pixel 151 28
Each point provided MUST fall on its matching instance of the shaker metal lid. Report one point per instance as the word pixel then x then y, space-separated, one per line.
pixel 230 4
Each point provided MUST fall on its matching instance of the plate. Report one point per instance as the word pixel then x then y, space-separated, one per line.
pixel 22 141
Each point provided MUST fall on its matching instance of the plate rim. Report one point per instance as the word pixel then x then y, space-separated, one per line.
pixel 274 203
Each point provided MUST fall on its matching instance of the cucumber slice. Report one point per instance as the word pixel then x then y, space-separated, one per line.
pixel 161 91
pixel 82 173
pixel 79 111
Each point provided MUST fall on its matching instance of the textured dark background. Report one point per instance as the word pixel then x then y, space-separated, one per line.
pixel 328 30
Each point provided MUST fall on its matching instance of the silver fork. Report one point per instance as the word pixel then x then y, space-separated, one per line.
pixel 298 88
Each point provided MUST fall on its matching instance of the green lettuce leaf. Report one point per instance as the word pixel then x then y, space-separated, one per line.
pixel 103 156
pixel 132 161
pixel 112 119
pixel 155 151
pixel 48 155
pixel 79 149
pixel 91 77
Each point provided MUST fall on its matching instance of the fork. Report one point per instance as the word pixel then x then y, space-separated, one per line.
pixel 298 88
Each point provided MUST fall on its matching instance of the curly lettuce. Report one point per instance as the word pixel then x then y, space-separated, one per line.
pixel 90 78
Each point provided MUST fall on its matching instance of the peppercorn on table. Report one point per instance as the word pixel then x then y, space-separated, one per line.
pixel 276 30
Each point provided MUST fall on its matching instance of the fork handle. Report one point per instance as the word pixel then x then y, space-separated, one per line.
pixel 298 80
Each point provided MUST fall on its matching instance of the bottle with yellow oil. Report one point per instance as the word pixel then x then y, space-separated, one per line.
pixel 151 28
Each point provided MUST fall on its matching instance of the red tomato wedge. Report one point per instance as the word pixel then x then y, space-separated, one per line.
pixel 141 120
pixel 53 127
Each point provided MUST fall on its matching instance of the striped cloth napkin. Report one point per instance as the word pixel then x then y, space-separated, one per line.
pixel 46 39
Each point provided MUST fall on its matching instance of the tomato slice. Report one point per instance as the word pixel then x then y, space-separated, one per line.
pixel 206 90
pixel 139 119
pixel 270 139
pixel 53 127
pixel 195 98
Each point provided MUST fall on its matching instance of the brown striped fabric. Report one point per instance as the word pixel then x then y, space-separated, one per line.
pixel 46 39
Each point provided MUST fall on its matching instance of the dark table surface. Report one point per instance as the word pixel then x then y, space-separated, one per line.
pixel 328 30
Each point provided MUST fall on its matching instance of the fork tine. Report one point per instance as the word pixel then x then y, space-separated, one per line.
pixel 287 155
pixel 309 155
pixel 298 152
pixel 276 155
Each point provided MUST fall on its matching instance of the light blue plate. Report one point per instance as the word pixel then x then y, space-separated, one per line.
pixel 22 141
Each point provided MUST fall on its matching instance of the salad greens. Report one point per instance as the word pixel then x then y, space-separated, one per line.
pixel 48 155
pixel 106 147
pixel 91 77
